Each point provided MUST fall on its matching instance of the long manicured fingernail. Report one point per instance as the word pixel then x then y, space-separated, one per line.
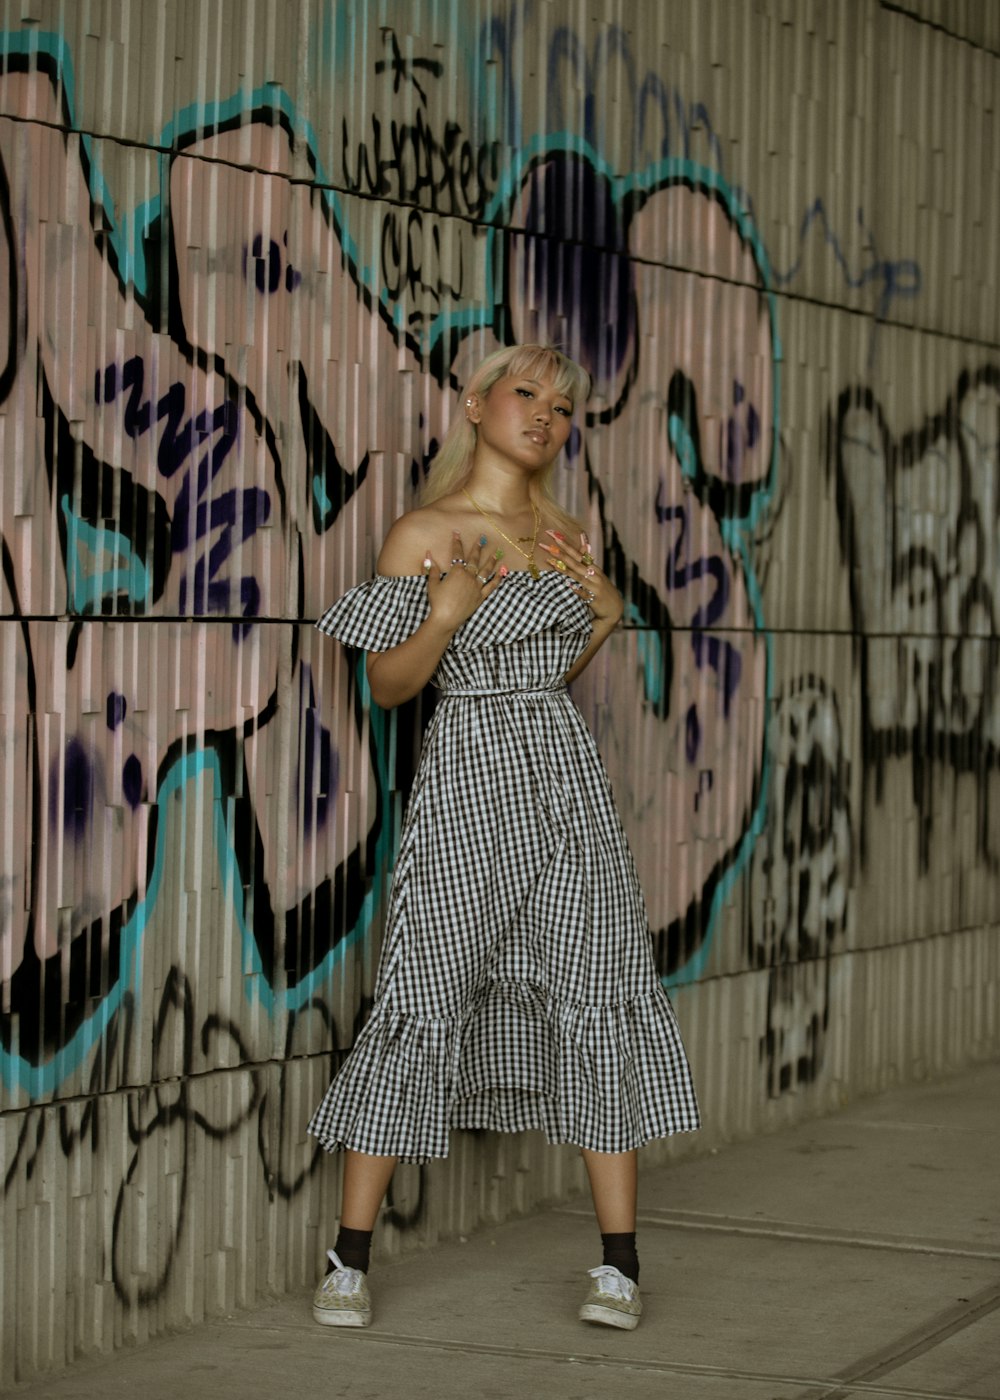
pixel 557 535
pixel 551 548
pixel 503 571
pixel 482 541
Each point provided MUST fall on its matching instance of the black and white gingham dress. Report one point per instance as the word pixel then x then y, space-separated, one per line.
pixel 516 987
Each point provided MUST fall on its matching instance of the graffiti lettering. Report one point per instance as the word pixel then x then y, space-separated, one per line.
pixel 715 652
pixel 412 165
pixel 899 278
pixel 406 68
pixel 923 597
pixel 234 515
pixel 412 260
pixel 801 872
pixel 181 436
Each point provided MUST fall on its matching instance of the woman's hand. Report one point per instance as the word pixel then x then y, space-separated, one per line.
pixel 456 592
pixel 583 574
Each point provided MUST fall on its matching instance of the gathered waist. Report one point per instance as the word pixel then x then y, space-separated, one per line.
pixel 521 693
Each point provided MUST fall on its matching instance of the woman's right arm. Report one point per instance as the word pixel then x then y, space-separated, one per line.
pixel 400 673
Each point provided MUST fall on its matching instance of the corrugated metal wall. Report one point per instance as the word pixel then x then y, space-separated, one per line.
pixel 248 251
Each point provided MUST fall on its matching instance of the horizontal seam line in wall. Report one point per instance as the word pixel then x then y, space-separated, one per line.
pixel 711 629
pixel 799 1234
pixel 779 292
pixel 893 8
pixel 310 1055
pixel 171 1082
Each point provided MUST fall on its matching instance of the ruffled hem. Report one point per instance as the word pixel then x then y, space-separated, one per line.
pixel 607 1078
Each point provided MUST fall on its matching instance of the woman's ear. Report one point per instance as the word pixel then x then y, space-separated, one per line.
pixel 472 410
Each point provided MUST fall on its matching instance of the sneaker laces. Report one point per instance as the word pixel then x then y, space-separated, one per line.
pixel 613 1282
pixel 342 1279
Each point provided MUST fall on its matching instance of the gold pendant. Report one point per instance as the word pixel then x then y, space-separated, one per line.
pixel 534 569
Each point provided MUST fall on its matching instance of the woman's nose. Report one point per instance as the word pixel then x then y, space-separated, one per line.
pixel 542 413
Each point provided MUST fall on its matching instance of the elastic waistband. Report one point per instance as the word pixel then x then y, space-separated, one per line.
pixel 523 694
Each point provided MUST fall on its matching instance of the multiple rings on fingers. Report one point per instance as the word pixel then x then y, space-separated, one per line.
pixel 589 573
pixel 482 580
pixel 460 562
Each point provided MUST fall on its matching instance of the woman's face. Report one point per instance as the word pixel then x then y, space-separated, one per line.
pixel 523 418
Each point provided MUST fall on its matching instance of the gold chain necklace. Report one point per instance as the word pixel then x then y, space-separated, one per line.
pixel 530 556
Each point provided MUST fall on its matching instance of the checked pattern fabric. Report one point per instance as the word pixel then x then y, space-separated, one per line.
pixel 516 987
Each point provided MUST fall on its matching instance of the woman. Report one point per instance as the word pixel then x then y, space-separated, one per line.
pixel 516 987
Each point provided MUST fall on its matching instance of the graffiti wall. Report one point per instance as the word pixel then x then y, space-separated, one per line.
pixel 249 251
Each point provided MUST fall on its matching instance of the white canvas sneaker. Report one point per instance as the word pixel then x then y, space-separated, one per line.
pixel 342 1299
pixel 613 1299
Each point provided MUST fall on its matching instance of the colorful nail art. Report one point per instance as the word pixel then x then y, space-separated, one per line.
pixel 503 571
pixel 482 541
pixel 557 535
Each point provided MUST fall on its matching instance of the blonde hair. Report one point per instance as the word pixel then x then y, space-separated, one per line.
pixel 452 465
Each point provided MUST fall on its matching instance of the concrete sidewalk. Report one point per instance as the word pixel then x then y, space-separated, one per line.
pixel 858 1255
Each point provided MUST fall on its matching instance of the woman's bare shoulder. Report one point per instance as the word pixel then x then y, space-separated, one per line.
pixel 409 539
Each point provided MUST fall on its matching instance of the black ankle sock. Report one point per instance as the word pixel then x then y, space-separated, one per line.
pixel 354 1247
pixel 619 1251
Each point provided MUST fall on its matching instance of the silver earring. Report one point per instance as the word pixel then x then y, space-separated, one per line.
pixel 468 403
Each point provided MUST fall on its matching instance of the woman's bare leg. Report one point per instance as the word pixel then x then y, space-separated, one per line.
pixel 614 1180
pixel 366 1180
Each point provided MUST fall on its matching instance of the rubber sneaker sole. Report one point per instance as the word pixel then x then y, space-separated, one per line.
pixel 608 1317
pixel 345 1317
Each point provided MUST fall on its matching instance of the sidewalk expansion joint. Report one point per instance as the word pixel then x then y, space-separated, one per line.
pixel 810 1387
pixel 911 1345
pixel 802 1234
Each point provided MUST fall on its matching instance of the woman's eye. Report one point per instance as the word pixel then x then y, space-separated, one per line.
pixel 566 412
pixel 526 392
